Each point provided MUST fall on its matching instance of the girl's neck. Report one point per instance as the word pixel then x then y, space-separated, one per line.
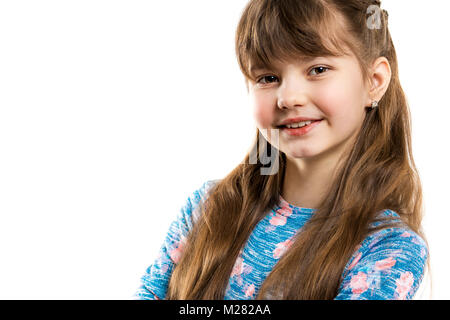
pixel 307 180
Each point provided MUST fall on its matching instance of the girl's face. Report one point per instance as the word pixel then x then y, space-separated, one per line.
pixel 328 88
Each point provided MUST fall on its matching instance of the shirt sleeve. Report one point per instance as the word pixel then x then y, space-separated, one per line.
pixel 389 265
pixel 155 281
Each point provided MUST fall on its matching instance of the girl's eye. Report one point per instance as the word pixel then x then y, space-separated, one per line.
pixel 264 77
pixel 322 68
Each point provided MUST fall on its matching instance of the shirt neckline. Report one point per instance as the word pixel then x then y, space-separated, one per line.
pixel 284 203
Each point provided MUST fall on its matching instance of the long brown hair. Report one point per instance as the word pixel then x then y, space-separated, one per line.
pixel 378 172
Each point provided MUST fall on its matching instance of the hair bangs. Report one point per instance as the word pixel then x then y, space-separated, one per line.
pixel 286 30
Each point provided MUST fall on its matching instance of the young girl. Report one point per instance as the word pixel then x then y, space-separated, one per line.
pixel 340 217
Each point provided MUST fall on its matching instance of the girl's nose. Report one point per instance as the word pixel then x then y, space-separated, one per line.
pixel 288 99
pixel 292 92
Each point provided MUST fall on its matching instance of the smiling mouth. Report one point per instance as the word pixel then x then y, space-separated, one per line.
pixel 298 127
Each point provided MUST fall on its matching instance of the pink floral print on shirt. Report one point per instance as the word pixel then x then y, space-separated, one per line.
pixel 404 284
pixel 385 264
pixel 281 248
pixel 250 290
pixel 279 218
pixel 240 269
pixel 358 283
pixel 175 254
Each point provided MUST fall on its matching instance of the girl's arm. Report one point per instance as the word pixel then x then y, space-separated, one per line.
pixel 154 282
pixel 389 265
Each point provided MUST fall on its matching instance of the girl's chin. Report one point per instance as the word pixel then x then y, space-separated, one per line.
pixel 298 153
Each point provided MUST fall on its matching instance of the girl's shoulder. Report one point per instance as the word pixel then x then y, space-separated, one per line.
pixel 191 209
pixel 393 257
pixel 393 242
pixel 199 194
pixel 399 236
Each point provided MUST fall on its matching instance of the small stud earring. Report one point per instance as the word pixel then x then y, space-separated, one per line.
pixel 374 104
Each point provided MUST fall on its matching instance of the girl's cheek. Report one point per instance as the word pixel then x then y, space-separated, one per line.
pixel 263 113
pixel 263 117
pixel 330 99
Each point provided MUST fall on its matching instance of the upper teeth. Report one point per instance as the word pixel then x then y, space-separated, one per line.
pixel 299 124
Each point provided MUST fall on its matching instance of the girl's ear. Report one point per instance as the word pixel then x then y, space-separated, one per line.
pixel 380 77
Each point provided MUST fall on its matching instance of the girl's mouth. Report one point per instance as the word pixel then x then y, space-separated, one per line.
pixel 300 131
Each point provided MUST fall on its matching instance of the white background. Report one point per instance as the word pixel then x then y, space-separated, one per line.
pixel 113 112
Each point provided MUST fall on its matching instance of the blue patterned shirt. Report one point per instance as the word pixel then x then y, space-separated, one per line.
pixel 389 264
